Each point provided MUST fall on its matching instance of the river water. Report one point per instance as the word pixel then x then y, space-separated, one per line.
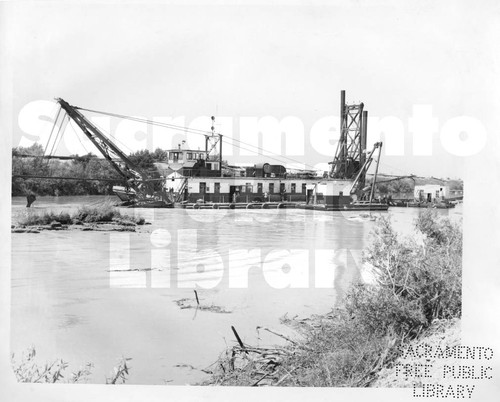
pixel 88 296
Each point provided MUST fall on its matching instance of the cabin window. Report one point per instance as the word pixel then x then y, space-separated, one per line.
pixel 292 188
pixel 271 188
pixel 282 188
pixel 304 188
pixel 190 155
pixel 248 187
pixel 203 188
pixel 216 188
pixel 259 188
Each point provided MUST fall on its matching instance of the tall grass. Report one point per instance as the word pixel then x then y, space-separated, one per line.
pixel 33 218
pixel 416 283
pixel 103 213
pixel 27 369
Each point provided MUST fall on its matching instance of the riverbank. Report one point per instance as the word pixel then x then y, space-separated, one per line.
pixel 441 335
pixel 417 286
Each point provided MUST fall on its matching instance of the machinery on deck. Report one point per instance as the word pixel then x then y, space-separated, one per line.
pixel 351 161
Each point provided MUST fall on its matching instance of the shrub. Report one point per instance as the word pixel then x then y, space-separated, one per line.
pixel 104 213
pixel 139 220
pixel 32 218
pixel 28 370
pixel 417 282
pixel 423 280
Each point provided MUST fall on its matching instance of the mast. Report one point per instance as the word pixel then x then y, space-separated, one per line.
pixel 211 142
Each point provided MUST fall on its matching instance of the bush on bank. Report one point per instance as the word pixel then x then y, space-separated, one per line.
pixel 417 282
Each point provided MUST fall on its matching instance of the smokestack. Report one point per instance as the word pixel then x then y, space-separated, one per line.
pixel 364 130
pixel 342 106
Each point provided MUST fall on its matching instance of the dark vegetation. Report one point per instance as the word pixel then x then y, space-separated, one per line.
pixel 84 167
pixel 416 284
pixel 404 187
pixel 87 166
pixel 104 213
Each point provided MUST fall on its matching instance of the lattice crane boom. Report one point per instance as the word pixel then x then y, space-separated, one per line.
pixel 132 174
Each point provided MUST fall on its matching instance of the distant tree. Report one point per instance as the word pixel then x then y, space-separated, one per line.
pixel 456 185
pixel 402 186
pixel 86 166
pixel 84 158
pixel 36 150
pixel 143 159
pixel 160 155
pixel 382 188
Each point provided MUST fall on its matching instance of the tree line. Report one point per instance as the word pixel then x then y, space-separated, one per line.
pixel 406 186
pixel 89 166
pixel 29 161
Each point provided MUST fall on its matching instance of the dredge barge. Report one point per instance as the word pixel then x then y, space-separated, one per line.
pixel 199 179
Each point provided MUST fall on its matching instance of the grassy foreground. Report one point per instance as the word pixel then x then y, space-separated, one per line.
pixel 417 283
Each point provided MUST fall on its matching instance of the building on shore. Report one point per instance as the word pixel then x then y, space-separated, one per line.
pixel 432 192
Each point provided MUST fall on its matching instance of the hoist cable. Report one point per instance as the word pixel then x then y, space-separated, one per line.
pixel 283 159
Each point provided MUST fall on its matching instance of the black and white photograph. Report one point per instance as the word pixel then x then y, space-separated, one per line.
pixel 250 199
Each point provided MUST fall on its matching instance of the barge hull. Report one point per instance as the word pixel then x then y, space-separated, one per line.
pixel 286 205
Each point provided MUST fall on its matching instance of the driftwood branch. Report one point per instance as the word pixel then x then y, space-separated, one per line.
pixel 238 338
pixel 283 336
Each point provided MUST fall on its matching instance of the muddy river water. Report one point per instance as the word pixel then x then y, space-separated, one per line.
pixel 88 296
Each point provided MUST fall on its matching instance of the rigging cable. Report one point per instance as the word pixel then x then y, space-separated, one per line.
pixel 52 131
pixel 194 131
pixel 262 149
pixel 114 138
pixel 58 137
pixel 267 156
pixel 130 151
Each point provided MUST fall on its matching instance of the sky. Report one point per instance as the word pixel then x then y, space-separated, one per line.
pixel 424 71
